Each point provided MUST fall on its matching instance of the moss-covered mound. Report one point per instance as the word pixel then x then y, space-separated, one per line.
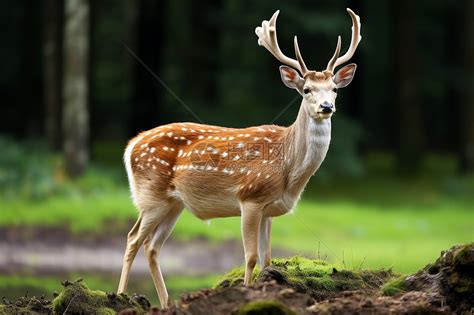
pixel 26 305
pixel 314 277
pixel 77 298
pixel 450 278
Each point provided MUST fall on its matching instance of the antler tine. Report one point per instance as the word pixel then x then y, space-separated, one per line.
pixel 355 39
pixel 303 68
pixel 267 37
pixel 331 62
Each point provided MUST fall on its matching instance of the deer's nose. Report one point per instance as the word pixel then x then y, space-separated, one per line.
pixel 327 107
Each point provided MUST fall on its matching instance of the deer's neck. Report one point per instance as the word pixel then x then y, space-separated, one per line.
pixel 306 143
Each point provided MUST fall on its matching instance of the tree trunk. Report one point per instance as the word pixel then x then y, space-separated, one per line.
pixel 406 99
pixel 75 89
pixel 467 102
pixel 52 16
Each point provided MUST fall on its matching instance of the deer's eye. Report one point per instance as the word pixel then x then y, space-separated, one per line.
pixel 306 91
pixel 334 90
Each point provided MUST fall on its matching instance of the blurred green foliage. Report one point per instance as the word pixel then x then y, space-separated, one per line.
pixel 30 172
pixel 27 170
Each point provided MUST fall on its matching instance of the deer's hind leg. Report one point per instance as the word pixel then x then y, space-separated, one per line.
pixel 264 245
pixel 153 245
pixel 148 220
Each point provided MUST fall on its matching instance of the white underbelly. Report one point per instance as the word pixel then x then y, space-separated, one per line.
pixel 209 206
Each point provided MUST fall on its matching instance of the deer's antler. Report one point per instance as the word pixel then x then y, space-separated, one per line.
pixel 267 37
pixel 356 37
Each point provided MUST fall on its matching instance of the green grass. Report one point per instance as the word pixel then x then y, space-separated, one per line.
pixel 373 222
pixel 353 233
pixel 356 235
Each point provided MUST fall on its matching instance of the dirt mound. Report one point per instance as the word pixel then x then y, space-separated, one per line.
pixel 450 278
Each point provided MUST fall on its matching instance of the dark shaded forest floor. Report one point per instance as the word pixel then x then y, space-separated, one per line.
pixel 293 286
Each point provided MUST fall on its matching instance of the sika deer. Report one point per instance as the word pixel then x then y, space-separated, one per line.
pixel 256 173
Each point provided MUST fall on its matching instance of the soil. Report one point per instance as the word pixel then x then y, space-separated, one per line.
pixel 233 301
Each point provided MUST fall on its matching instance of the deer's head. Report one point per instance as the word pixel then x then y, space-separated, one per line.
pixel 319 89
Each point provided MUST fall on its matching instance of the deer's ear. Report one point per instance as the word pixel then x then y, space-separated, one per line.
pixel 291 78
pixel 345 75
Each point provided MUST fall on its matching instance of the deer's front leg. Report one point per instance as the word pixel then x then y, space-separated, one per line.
pixel 251 218
pixel 264 246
